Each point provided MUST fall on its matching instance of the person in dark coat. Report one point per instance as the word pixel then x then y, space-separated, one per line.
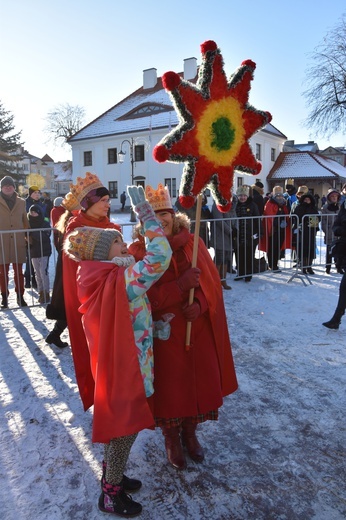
pixel 329 211
pixel 247 233
pixel 306 229
pixel 40 250
pixel 339 230
pixel 257 195
pixel 34 197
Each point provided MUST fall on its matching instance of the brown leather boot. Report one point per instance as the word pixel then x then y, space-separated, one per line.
pixel 173 447
pixel 190 441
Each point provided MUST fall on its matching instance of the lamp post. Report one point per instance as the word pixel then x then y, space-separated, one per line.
pixel 121 156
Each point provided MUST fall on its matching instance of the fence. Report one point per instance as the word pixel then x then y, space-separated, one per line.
pixel 235 244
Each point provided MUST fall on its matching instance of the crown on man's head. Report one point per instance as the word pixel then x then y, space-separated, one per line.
pixel 78 191
pixel 159 199
pixel 289 182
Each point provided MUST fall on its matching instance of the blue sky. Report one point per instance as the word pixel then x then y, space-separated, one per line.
pixel 94 53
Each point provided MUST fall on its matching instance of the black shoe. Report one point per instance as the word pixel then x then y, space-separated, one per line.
pixel 56 340
pixel 304 271
pixel 310 270
pixel 21 302
pixel 331 324
pixel 248 278
pixel 27 285
pixel 4 301
pixel 238 278
pixel 119 503
pixel 328 270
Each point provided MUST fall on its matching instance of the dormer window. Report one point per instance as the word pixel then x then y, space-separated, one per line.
pixel 146 110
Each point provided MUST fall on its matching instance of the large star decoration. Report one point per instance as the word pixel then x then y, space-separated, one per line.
pixel 215 123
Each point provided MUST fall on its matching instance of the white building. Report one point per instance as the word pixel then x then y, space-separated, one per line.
pixel 135 125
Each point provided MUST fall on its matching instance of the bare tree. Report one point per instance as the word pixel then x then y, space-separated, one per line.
pixel 326 82
pixel 63 122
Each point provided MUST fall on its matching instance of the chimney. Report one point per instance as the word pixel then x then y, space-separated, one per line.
pixel 190 68
pixel 149 78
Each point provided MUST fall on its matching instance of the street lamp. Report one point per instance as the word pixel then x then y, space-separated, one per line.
pixel 121 156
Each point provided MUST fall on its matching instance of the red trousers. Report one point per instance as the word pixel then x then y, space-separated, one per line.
pixel 18 278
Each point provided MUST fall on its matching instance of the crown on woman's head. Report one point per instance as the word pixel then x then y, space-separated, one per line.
pixel 159 199
pixel 80 190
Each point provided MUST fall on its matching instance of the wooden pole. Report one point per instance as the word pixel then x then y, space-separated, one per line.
pixel 194 264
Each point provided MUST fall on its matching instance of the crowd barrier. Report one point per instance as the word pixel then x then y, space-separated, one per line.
pixel 224 239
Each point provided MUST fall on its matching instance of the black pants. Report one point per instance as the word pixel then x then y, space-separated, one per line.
pixel 274 247
pixel 341 306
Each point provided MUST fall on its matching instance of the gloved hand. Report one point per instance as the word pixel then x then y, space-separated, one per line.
pixel 189 279
pixel 283 224
pixel 255 236
pixel 140 204
pixel 191 312
pixel 295 232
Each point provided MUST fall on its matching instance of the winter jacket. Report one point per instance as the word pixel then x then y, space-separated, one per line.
pixel 39 241
pixel 277 216
pixel 221 230
pixel 13 245
pixel 339 226
pixel 247 229
pixel 329 210
pixel 307 226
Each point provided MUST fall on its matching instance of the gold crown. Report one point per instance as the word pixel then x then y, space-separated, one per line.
pixel 290 182
pixel 78 191
pixel 159 199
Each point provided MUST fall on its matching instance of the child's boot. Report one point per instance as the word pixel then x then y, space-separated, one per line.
pixel 114 500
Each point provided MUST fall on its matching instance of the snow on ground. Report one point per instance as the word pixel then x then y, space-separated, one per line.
pixel 277 451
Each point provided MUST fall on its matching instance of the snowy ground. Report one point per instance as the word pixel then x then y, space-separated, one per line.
pixel 277 452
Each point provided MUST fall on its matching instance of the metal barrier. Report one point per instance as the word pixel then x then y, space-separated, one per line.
pixel 226 247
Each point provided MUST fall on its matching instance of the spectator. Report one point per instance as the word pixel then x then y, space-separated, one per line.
pixel 276 228
pixel 34 197
pixel 300 191
pixel 290 193
pixel 13 216
pixel 306 228
pixel 123 200
pixel 40 251
pixel 247 233
pixel 257 195
pixel 329 211
pixel 221 239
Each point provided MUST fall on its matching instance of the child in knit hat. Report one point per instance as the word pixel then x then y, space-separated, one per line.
pixel 118 326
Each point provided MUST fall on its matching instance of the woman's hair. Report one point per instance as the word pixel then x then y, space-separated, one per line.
pixel 180 220
pixel 62 222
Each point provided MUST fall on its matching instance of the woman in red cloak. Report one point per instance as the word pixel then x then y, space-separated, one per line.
pixel 189 385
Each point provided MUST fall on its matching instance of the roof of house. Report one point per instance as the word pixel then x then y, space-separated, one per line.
pixel 141 111
pixel 305 165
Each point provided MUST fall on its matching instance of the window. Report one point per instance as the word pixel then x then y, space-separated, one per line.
pixel 172 186
pixel 258 152
pixel 139 153
pixel 272 154
pixel 88 158
pixel 113 189
pixel 112 156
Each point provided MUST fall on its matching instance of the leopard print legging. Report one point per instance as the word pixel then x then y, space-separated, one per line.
pixel 116 454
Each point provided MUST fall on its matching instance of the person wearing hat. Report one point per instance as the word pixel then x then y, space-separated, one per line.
pixel 276 228
pixel 290 193
pixel 189 383
pixel 119 330
pixel 305 228
pixel 33 197
pixel 257 195
pixel 329 211
pixel 40 250
pixel 93 199
pixel 300 191
pixel 248 232
pixel 13 217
